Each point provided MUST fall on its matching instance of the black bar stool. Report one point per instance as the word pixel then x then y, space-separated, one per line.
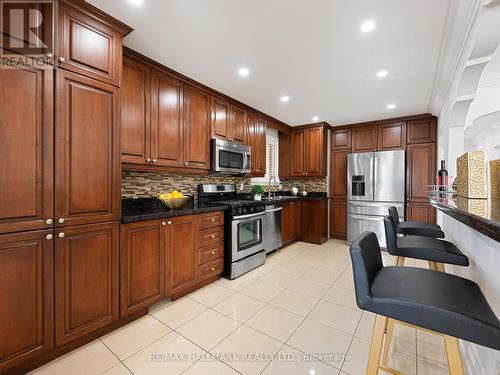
pixel 435 301
pixel 415 228
pixel 435 251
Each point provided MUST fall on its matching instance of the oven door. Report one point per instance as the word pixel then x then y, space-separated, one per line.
pixel 231 158
pixel 246 235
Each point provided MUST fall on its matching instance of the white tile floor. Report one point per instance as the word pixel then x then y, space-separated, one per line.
pixel 277 319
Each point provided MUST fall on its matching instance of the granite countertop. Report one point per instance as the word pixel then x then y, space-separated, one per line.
pixel 152 209
pixel 286 196
pixel 482 215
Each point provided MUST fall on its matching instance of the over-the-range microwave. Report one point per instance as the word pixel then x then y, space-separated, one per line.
pixel 230 157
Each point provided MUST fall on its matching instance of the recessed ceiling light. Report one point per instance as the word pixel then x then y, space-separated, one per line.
pixel 382 73
pixel 315 118
pixel 243 72
pixel 367 26
pixel 136 2
pixel 391 106
pixel 285 99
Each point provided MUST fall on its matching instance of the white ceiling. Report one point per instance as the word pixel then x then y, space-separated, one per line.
pixel 311 50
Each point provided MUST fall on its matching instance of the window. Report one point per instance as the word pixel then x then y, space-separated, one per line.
pixel 272 158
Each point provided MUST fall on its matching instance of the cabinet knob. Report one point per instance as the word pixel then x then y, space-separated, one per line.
pixel 213 219
pixel 62 59
pixel 49 236
pixel 154 160
pixel 163 223
pixel 49 54
pixel 213 236
pixel 186 163
pixel 148 160
pixel 61 220
pixel 49 221
pixel 212 252
pixel 61 235
pixel 169 222
pixel 212 269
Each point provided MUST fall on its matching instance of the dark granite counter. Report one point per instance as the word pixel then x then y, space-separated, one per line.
pixel 482 215
pixel 151 209
pixel 286 196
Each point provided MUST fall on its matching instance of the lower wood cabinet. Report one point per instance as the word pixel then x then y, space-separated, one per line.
pixel 420 212
pixel 181 253
pixel 27 296
pixel 314 221
pixel 290 222
pixel 338 218
pixel 142 265
pixel 86 279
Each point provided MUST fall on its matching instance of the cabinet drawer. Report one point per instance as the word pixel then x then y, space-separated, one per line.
pixel 211 252
pixel 210 236
pixel 210 220
pixel 211 269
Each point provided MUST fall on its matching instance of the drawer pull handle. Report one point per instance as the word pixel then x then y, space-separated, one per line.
pixel 61 235
pixel 163 223
pixel 213 220
pixel 48 221
pixel 212 269
pixel 213 236
pixel 169 222
pixel 212 252
pixel 61 220
pixel 49 236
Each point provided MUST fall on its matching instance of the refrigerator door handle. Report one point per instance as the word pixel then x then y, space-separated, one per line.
pixel 362 217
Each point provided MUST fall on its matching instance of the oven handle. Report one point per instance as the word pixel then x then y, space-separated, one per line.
pixel 249 215
pixel 275 209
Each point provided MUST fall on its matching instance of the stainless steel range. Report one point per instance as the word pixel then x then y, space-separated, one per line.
pixel 243 237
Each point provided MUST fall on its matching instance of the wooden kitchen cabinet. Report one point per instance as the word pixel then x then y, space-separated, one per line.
pixel 391 136
pixel 86 279
pixel 229 122
pixel 88 45
pixel 167 132
pixel 422 130
pixel 308 152
pixel 135 104
pixel 27 295
pixel 314 221
pixel 338 174
pixel 142 265
pixel 26 146
pixel 181 257
pixel 341 139
pixel 364 138
pixel 290 228
pixel 196 128
pixel 338 218
pixel 87 151
pixel 256 137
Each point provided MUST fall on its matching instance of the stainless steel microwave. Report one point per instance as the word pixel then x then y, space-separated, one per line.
pixel 230 157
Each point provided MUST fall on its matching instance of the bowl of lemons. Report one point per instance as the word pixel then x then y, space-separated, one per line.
pixel 174 199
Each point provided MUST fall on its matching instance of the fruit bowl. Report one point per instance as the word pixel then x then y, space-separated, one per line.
pixel 174 203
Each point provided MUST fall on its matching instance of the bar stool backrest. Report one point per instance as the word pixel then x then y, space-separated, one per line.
pixel 393 211
pixel 366 262
pixel 391 235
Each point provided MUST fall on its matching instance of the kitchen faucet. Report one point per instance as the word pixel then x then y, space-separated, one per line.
pixel 269 186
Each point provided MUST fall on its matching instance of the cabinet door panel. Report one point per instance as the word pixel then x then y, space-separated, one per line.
pixel 142 265
pixel 181 254
pixel 26 145
pixel 339 173
pixel 391 136
pixel 341 139
pixel 196 128
pixel 421 131
pixel 86 269
pixel 89 47
pixel 286 225
pixel 220 118
pixel 338 218
pixel 256 138
pixel 238 124
pixel 314 152
pixel 420 212
pixel 420 170
pixel 298 152
pixel 87 151
pixel 135 112
pixel 26 292
pixel 295 220
pixel 166 120
pixel 364 139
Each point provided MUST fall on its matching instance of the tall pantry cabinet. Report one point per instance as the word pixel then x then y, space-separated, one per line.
pixel 60 188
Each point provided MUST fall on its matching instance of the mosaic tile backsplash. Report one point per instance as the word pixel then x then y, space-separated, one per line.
pixel 137 184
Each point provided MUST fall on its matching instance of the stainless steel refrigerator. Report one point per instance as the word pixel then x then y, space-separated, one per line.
pixel 375 181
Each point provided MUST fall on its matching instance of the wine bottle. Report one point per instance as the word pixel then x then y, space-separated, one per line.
pixel 443 177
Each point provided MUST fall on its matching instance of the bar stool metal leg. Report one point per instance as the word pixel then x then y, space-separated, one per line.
pixel 376 345
pixel 455 365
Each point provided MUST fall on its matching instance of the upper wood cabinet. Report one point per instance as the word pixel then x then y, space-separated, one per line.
pixel 422 130
pixel 341 139
pixel 135 112
pixel 308 152
pixel 181 254
pixel 90 45
pixel 167 131
pixel 196 128
pixel 27 295
pixel 86 279
pixel 87 162
pixel 364 138
pixel 228 121
pixel 391 136
pixel 256 138
pixel 26 146
pixel 142 265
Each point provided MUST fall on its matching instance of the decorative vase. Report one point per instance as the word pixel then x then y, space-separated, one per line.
pixel 257 197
